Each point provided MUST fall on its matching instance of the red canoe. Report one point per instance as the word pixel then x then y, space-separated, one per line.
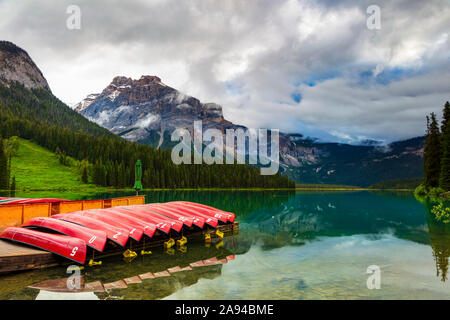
pixel 186 221
pixel 206 212
pixel 9 200
pixel 95 239
pixel 148 228
pixel 209 219
pixel 161 225
pixel 196 219
pixel 135 232
pixel 146 212
pixel 65 246
pixel 115 234
pixel 230 216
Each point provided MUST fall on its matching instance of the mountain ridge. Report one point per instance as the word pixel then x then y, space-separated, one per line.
pixel 132 108
pixel 34 113
pixel 17 65
pixel 145 110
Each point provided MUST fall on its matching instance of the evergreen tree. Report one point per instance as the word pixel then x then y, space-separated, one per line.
pixel 13 187
pixel 444 181
pixel 432 153
pixel 4 173
pixel 8 176
pixel 99 174
pixel 84 175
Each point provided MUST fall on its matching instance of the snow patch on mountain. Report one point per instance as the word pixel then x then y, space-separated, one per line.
pixel 147 120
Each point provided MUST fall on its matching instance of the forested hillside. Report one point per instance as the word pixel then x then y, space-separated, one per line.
pixel 109 160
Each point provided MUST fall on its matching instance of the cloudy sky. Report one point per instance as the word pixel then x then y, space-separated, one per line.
pixel 312 67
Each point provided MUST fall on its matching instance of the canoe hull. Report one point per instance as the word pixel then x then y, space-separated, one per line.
pixel 147 228
pixel 209 219
pixel 185 220
pixel 115 234
pixel 135 232
pixel 146 212
pixel 196 219
pixel 95 239
pixel 164 226
pixel 230 216
pixel 65 246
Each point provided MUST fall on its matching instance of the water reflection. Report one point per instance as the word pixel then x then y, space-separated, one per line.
pixel 439 233
pixel 146 277
pixel 290 245
pixel 326 268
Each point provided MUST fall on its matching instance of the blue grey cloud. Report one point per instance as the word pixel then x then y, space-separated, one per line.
pixel 297 65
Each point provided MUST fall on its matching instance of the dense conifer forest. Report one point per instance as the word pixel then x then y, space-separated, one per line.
pixel 108 160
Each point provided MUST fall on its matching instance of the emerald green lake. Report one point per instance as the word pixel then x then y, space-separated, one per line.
pixel 291 245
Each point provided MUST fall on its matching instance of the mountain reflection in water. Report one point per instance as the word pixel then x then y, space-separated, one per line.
pixel 304 245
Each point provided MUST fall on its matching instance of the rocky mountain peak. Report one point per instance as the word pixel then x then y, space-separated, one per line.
pixel 148 80
pixel 142 81
pixel 147 111
pixel 16 65
pixel 121 80
pixel 136 108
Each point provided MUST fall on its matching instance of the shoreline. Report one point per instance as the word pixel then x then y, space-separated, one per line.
pixel 298 188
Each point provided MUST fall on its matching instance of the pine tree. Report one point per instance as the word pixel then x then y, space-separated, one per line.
pixel 13 187
pixel 4 174
pixel 8 176
pixel 444 181
pixel 432 153
pixel 84 175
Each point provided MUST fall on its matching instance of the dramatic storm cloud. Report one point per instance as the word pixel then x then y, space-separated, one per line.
pixel 312 67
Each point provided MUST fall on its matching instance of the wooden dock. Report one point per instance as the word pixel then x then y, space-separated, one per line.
pixel 16 257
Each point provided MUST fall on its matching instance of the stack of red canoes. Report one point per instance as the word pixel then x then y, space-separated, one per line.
pixel 71 235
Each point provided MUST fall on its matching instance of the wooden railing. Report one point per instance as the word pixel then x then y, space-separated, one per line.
pixel 16 214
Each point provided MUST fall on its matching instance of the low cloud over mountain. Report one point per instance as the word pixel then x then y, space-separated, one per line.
pixel 296 65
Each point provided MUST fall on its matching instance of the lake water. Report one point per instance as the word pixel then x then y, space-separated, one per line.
pixel 290 246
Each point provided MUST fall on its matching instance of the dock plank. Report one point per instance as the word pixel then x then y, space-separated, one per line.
pixel 9 249
pixel 16 257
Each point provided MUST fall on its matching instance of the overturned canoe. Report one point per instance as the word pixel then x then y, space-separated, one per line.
pixel 168 214
pixel 147 228
pixel 230 216
pixel 145 213
pixel 95 239
pixel 209 219
pixel 115 234
pixel 65 246
pixel 135 232
pixel 196 220
pixel 159 224
pixel 221 216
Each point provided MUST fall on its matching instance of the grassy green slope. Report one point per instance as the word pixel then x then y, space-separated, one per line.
pixel 36 168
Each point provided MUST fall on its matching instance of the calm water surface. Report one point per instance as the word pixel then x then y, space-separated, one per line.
pixel 290 246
